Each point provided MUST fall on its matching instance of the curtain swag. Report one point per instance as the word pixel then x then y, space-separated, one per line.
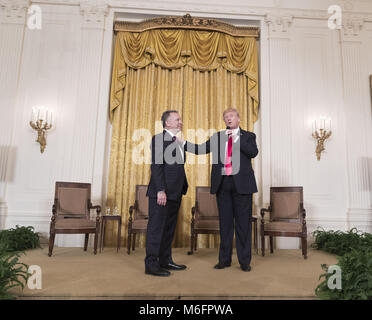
pixel 175 48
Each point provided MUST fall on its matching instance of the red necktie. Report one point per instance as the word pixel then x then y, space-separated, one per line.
pixel 228 168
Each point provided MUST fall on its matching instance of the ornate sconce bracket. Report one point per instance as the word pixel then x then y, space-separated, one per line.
pixel 41 123
pixel 321 136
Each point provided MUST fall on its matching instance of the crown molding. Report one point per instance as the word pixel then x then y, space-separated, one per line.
pixel 13 11
pixel 51 2
pixel 279 25
pixel 352 26
pixel 14 3
pixel 94 13
pixel 227 8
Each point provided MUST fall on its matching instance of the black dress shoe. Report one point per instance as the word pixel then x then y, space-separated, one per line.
pixel 222 265
pixel 245 267
pixel 174 266
pixel 158 272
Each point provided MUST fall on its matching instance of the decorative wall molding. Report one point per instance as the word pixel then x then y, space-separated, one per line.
pixel 279 25
pixel 357 111
pixel 242 8
pixel 360 219
pixel 51 2
pixel 357 214
pixel 326 223
pixel 280 108
pixel 224 8
pixel 278 30
pixel 12 21
pixel 352 27
pixel 94 13
pixel 13 11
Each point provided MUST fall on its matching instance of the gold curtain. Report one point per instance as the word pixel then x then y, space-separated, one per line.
pixel 198 73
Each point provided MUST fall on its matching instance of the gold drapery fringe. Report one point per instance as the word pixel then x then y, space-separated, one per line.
pixel 151 74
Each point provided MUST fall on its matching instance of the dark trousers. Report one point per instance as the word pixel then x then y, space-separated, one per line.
pixel 160 231
pixel 234 209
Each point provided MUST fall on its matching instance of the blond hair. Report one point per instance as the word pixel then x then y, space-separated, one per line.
pixel 231 110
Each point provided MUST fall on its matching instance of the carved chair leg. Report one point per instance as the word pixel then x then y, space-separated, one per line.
pixel 304 247
pixel 195 242
pixel 129 241
pixel 51 243
pixel 262 232
pixel 191 243
pixel 134 242
pixel 86 241
pixel 119 237
pixel 101 236
pixel 255 236
pixel 96 237
pixel 271 245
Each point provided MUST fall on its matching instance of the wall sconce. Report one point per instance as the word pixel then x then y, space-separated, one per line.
pixel 41 121
pixel 321 135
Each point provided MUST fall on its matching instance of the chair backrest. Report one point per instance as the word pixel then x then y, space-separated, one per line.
pixel 142 202
pixel 285 203
pixel 206 204
pixel 73 199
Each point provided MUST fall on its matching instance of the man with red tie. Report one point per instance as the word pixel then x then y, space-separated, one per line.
pixel 233 182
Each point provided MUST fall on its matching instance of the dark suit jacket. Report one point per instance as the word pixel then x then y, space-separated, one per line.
pixel 243 151
pixel 167 168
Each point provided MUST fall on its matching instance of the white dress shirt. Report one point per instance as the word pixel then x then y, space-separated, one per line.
pixel 173 135
pixel 234 132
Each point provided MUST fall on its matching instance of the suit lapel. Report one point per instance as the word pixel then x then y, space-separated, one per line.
pixel 167 137
pixel 177 148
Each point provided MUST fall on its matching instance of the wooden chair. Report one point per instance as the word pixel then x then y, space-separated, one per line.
pixel 138 222
pixel 287 217
pixel 71 213
pixel 205 218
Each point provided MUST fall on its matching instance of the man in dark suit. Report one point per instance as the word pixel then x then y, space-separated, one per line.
pixel 167 185
pixel 233 182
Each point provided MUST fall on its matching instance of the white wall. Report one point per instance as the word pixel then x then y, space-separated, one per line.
pixel 307 71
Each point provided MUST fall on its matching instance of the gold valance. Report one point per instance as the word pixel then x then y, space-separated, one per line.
pixel 187 22
pixel 175 48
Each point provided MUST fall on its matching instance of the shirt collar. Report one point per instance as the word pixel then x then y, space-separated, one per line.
pixel 234 131
pixel 170 133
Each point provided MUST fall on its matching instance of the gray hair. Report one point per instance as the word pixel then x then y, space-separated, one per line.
pixel 165 116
